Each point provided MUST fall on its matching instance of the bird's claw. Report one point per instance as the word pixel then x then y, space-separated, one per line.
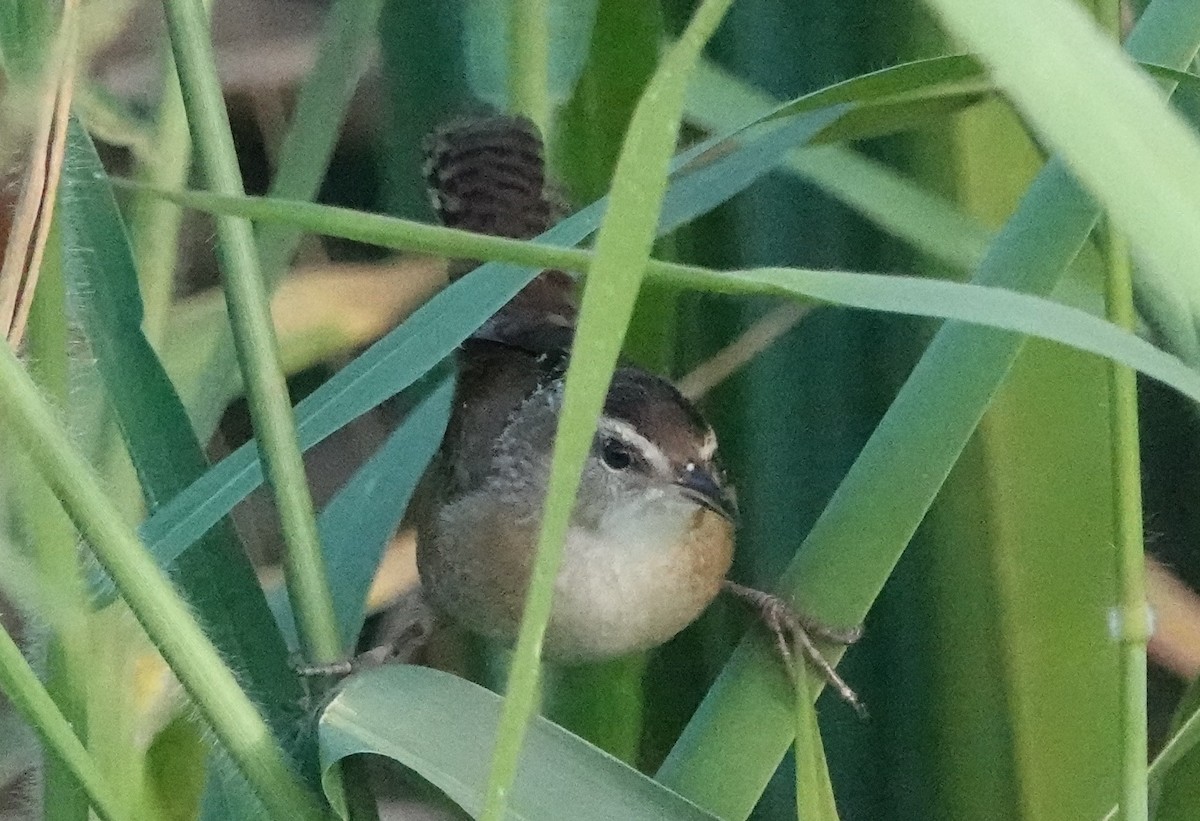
pixel 791 629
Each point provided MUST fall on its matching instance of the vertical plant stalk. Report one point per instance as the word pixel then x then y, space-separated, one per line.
pixel 623 247
pixel 21 686
pixel 1132 616
pixel 167 621
pixel 54 542
pixel 529 60
pixel 254 337
pixel 1133 613
pixel 753 341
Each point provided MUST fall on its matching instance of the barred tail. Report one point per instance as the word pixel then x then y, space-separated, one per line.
pixel 488 175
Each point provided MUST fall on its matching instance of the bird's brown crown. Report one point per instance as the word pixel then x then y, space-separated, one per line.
pixel 653 408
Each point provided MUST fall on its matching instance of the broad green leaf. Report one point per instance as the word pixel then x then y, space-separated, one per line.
pixel 1022 671
pixel 440 727
pixel 852 549
pixel 359 520
pixel 217 578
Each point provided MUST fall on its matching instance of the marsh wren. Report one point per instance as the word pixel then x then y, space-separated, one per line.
pixel 652 532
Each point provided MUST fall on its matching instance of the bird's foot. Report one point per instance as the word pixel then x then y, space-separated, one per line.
pixel 375 657
pixel 792 629
pixel 398 648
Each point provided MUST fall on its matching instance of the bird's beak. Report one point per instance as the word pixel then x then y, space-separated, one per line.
pixel 700 486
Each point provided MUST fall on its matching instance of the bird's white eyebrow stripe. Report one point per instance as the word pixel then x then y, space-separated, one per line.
pixel 627 434
pixel 709 447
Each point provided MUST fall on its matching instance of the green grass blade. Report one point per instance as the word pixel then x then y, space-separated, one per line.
pixel 623 248
pixel 217 578
pixel 304 156
pixel 1118 134
pixel 621 58
pixel 342 57
pixel 605 703
pixel 983 305
pixel 814 792
pixel 64 652
pixel 432 722
pixel 158 607
pixel 20 684
pixel 744 721
pixel 994 307
pixel 254 334
pixel 718 101
pixel 898 97
pixel 359 520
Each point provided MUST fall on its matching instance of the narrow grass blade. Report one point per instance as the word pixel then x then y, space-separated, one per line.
pixel 814 792
pixel 717 100
pixel 605 703
pixel 20 684
pixel 433 723
pixel 254 334
pixel 341 59
pixel 623 248
pixel 359 520
pixel 1117 133
pixel 989 306
pixel 217 577
pixel 898 97
pixel 994 307
pixel 303 159
pixel 169 623
pixel 63 650
pixel 622 54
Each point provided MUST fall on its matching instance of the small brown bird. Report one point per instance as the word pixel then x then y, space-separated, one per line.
pixel 652 533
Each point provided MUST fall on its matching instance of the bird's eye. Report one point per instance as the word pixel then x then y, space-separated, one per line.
pixel 615 454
